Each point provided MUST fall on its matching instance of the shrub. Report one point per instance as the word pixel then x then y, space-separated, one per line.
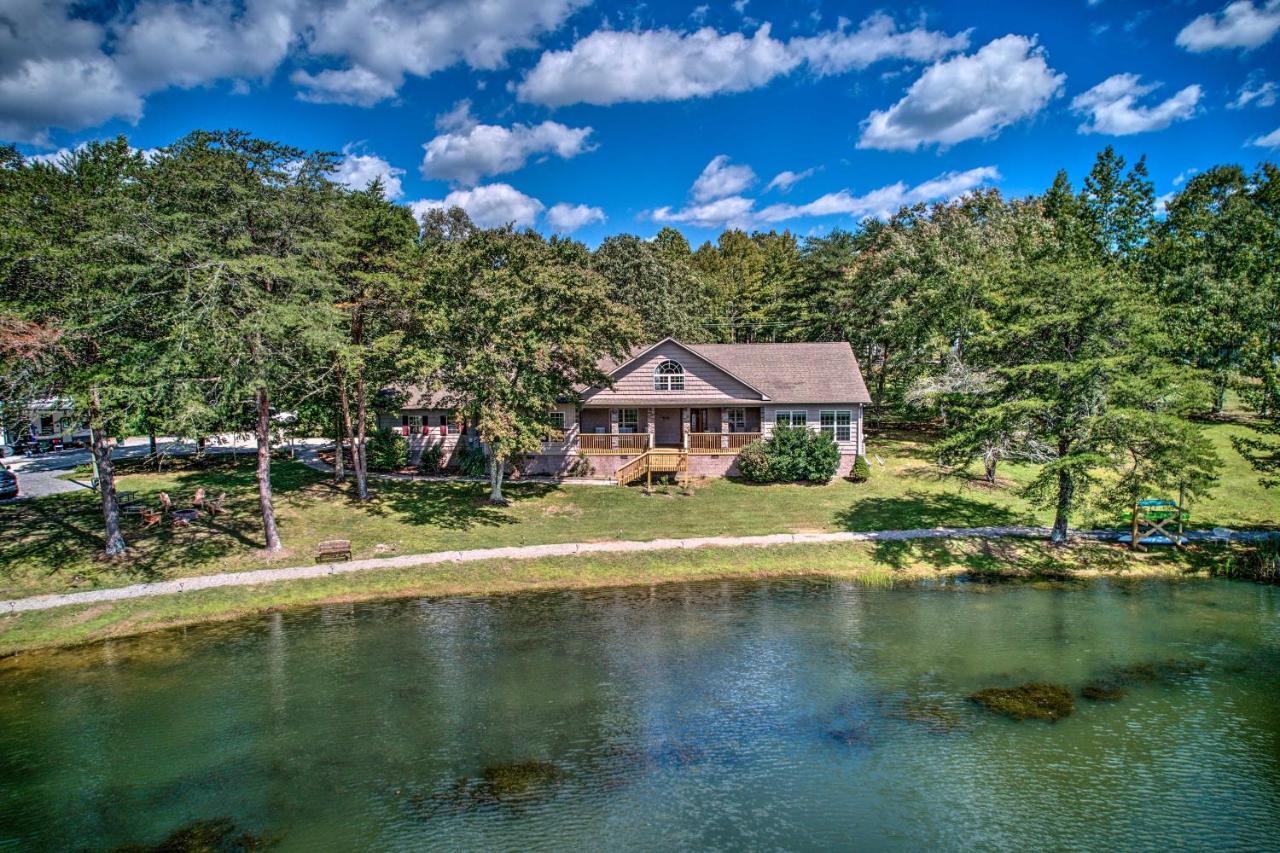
pixel 797 454
pixel 861 471
pixel 580 467
pixel 432 459
pixel 386 450
pixel 753 463
pixel 472 460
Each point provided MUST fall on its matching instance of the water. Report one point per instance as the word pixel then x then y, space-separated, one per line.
pixel 793 715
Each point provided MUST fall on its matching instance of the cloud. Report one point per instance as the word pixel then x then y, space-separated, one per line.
pixel 877 38
pixel 489 205
pixel 473 151
pixel 1112 107
pixel 740 212
pixel 566 218
pixel 786 179
pixel 719 179
pixel 1255 91
pixel 1270 140
pixel 382 41
pixel 967 97
pixel 69 65
pixel 357 171
pixel 609 67
pixel 1238 24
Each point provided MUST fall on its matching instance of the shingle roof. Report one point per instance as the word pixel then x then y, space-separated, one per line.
pixel 786 373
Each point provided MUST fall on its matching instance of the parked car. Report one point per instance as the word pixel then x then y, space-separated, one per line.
pixel 8 483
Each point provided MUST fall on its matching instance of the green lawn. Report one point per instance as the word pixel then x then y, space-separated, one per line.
pixel 49 545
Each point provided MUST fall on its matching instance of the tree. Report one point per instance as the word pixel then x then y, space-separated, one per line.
pixel 524 330
pixel 81 318
pixel 656 284
pixel 248 230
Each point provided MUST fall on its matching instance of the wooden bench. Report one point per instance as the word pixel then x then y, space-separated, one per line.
pixel 327 552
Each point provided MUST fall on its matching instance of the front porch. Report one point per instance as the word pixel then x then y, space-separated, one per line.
pixel 698 431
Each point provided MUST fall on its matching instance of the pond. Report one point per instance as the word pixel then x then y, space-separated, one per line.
pixel 804 715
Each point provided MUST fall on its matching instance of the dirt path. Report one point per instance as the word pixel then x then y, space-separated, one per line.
pixel 571 549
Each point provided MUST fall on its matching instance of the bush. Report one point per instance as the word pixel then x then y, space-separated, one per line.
pixel 386 450
pixel 580 467
pixel 753 463
pixel 861 470
pixel 432 459
pixel 472 460
pixel 792 454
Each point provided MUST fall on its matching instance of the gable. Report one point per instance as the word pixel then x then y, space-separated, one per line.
pixel 704 381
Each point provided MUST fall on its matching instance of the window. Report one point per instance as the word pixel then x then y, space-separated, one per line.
pixel 668 376
pixel 628 420
pixel 796 417
pixel 837 424
pixel 557 427
pixel 46 424
pixel 736 419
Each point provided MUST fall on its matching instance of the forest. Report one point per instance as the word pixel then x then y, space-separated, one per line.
pixel 199 288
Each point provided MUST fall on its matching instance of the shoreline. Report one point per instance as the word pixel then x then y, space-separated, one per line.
pixel 877 563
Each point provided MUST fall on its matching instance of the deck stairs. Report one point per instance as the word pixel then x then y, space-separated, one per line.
pixel 657 461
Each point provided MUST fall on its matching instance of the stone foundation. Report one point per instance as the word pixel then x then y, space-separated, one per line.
pixel 606 467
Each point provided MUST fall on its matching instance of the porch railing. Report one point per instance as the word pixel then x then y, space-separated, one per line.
pixel 720 443
pixel 613 444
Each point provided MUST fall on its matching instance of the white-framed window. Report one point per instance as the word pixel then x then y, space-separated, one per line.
pixel 415 423
pixel 736 418
pixel 794 417
pixel 668 376
pixel 838 424
pixel 557 427
pixel 628 420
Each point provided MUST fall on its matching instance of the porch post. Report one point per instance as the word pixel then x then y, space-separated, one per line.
pixel 684 427
pixel 649 427
pixel 724 430
pixel 613 428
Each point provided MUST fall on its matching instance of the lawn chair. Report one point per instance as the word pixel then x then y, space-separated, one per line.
pixel 198 500
pixel 151 517
pixel 214 507
pixel 166 505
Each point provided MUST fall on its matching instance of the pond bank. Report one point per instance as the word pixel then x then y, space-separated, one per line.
pixel 877 559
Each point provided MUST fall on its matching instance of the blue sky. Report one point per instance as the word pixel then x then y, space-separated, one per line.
pixel 593 118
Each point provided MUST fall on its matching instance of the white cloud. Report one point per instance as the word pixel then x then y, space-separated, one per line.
pixel 1255 91
pixel 740 212
pixel 62 67
pixel 1270 140
pixel 720 179
pixel 786 179
pixel 382 41
pixel 489 205
pixel 474 151
pixel 1112 106
pixel 1182 176
pixel 357 171
pixel 967 97
pixel 1238 24
pixel 609 67
pixel 877 38
pixel 459 117
pixel 566 218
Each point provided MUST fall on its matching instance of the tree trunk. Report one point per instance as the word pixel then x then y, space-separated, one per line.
pixel 358 452
pixel 495 478
pixel 356 467
pixel 1219 392
pixel 151 440
pixel 269 531
pixel 101 449
pixel 339 462
pixel 1066 491
pixel 989 470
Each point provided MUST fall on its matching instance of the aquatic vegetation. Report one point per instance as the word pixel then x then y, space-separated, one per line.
pixel 501 784
pixel 1103 690
pixel 215 835
pixel 1035 700
pixel 519 778
pixel 934 716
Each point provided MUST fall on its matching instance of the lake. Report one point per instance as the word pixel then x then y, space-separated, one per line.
pixel 797 714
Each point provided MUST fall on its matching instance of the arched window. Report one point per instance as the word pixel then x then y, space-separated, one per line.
pixel 668 376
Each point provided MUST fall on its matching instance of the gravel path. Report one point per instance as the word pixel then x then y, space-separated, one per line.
pixel 572 549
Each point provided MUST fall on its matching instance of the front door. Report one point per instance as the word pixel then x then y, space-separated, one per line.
pixel 698 420
pixel 666 427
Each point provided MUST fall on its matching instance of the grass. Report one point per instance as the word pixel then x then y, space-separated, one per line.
pixel 51 544
pixel 870 564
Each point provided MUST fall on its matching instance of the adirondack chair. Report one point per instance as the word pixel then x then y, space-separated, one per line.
pixel 151 517
pixel 166 505
pixel 198 500
pixel 214 506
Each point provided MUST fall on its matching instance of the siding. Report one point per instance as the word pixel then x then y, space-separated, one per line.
pixel 812 413
pixel 702 382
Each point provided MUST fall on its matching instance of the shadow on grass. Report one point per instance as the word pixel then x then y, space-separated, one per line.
pixel 451 506
pixel 923 509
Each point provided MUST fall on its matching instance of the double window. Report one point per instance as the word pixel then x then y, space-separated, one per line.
pixel 628 420
pixel 796 418
pixel 736 419
pixel 837 424
pixel 668 376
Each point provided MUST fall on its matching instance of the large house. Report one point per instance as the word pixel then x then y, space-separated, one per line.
pixel 677 406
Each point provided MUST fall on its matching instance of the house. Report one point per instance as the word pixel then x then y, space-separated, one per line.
pixel 697 403
pixel 42 421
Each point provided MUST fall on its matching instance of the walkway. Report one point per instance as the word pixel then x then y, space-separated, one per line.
pixel 572 549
